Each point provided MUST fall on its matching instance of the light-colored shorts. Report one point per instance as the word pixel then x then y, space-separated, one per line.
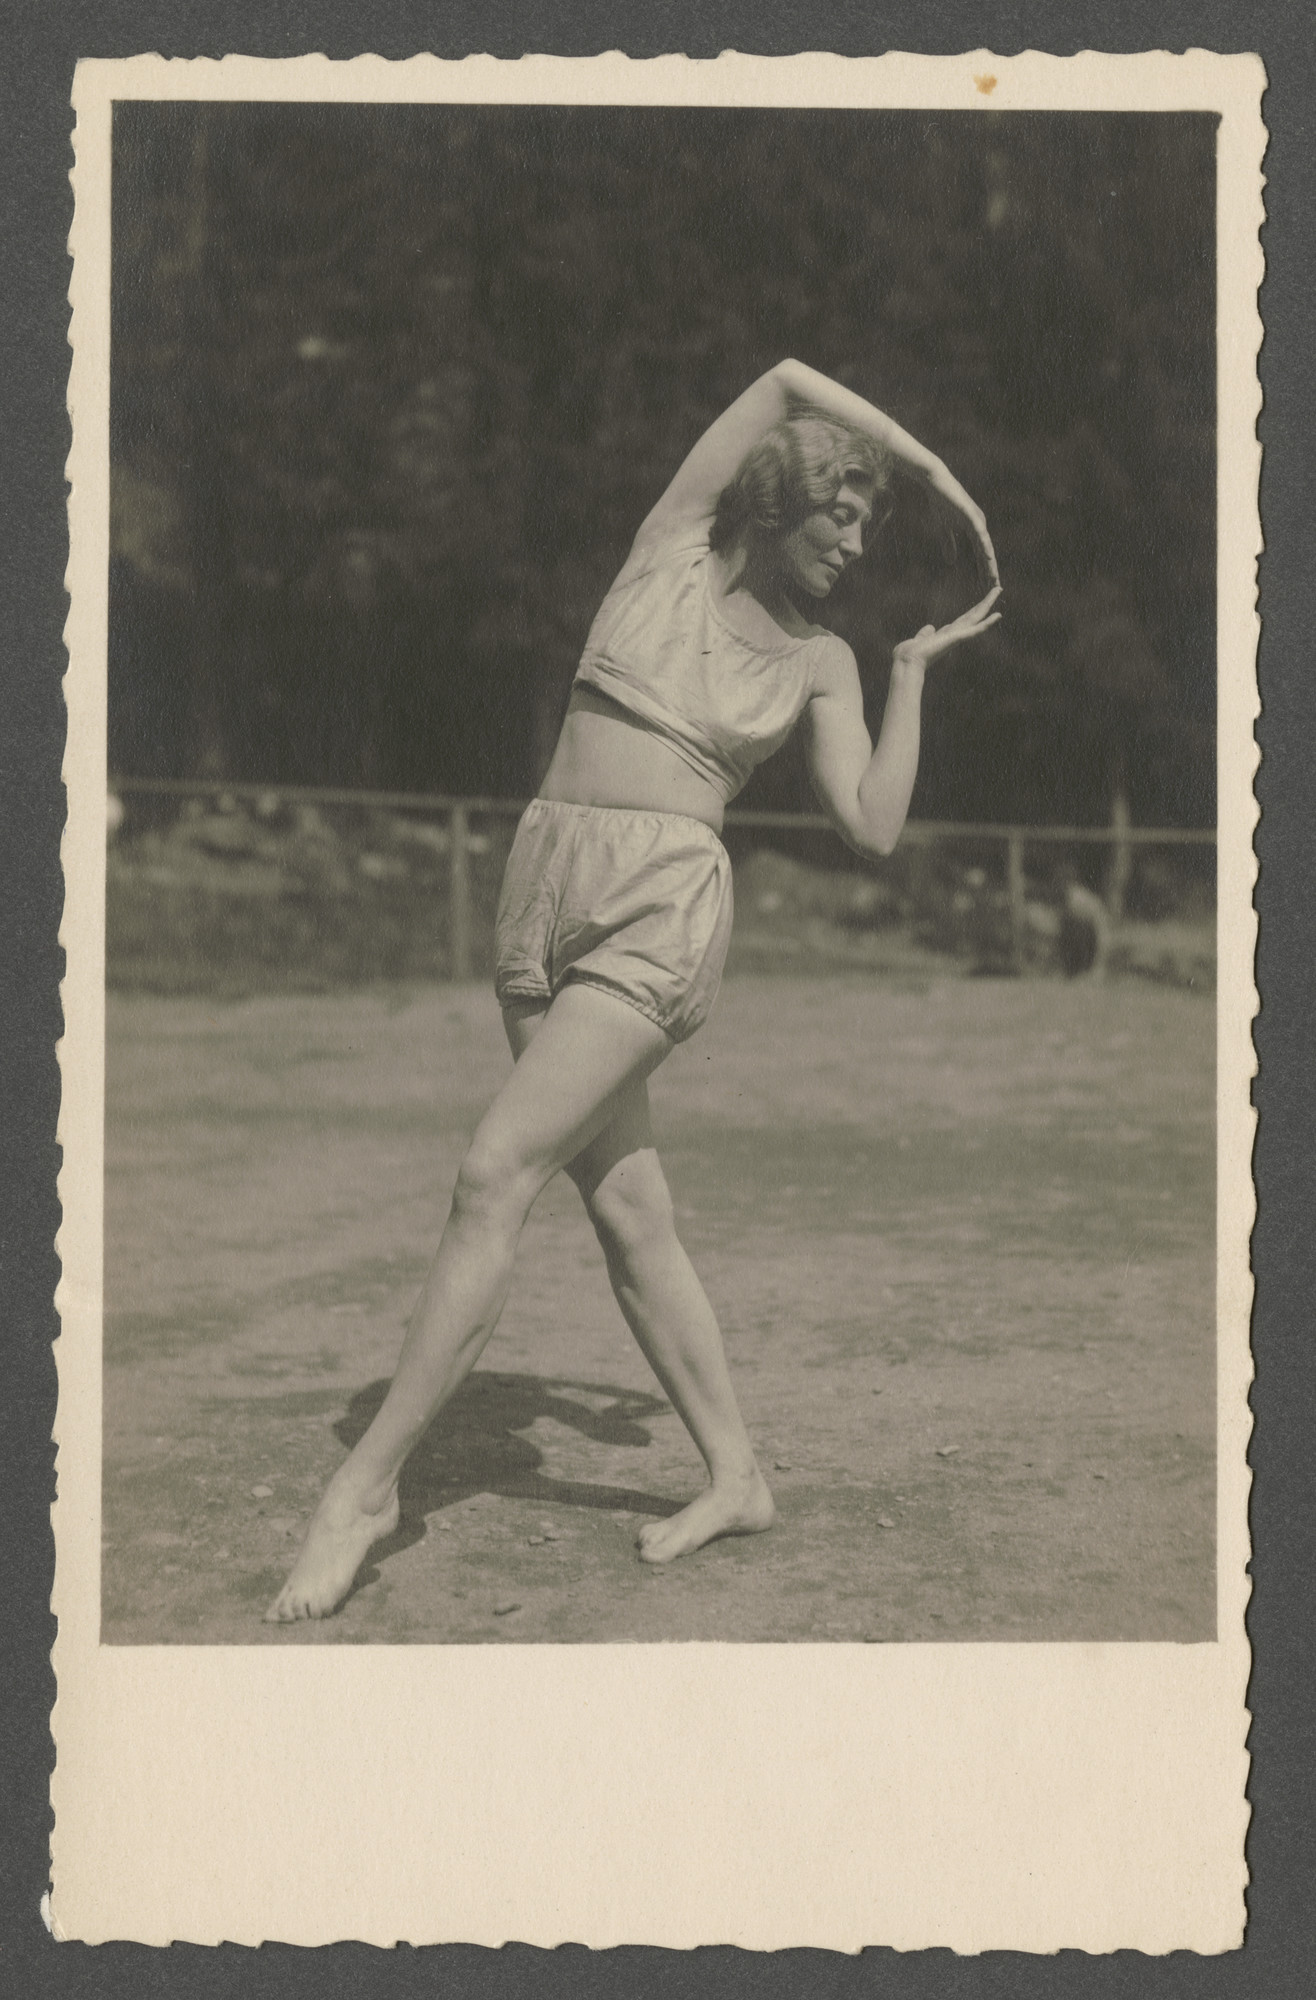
pixel 635 903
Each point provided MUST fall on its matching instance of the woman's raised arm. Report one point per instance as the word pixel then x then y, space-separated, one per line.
pixel 788 387
pixel 715 460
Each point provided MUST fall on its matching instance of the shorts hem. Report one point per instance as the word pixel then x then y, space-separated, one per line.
pixel 522 987
pixel 514 992
pixel 572 977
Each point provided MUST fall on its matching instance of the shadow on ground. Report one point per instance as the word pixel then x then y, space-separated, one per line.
pixel 474 1446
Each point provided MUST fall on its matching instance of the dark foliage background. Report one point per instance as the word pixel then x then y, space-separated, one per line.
pixel 394 386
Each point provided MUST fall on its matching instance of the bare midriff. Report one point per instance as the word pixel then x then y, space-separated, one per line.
pixel 608 757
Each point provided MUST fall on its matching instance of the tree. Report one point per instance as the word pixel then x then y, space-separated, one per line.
pixel 394 385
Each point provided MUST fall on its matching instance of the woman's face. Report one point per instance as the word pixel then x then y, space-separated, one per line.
pixel 814 553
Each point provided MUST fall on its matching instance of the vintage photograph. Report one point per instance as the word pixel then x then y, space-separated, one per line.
pixel 660 901
pixel 656 1140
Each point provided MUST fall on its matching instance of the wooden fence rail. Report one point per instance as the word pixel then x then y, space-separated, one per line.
pixel 459 811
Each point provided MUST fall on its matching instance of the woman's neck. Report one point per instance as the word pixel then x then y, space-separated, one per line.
pixel 749 568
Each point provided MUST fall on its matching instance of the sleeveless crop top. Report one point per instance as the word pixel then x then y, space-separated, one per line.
pixel 661 648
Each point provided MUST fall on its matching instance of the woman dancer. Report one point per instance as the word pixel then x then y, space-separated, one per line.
pixel 616 909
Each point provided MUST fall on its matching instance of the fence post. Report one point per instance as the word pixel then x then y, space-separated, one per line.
pixel 459 894
pixel 1121 857
pixel 1014 888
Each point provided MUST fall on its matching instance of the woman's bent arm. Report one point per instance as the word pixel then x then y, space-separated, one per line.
pixel 866 790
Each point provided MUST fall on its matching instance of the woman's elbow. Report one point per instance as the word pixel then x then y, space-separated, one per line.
pixel 878 842
pixel 790 375
pixel 880 824
pixel 872 843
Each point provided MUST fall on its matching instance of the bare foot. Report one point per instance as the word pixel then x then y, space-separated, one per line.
pixel 341 1535
pixel 728 1507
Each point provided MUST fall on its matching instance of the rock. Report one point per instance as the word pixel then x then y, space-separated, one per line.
pixel 947 1450
pixel 885 1521
pixel 220 833
pixel 382 868
pixel 782 1465
pixel 262 1492
pixel 536 1541
pixel 424 835
pixel 311 823
pixel 507 1604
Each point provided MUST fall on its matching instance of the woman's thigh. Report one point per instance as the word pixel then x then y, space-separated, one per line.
pixel 628 1134
pixel 576 1062
pixel 522 1020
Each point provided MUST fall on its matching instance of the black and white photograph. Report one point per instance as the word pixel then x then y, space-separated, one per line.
pixel 690 474
pixel 660 883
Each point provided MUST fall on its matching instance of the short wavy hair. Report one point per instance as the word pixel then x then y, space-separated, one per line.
pixel 798 466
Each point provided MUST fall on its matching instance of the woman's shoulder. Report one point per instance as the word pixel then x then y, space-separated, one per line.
pixel 659 569
pixel 668 536
pixel 834 663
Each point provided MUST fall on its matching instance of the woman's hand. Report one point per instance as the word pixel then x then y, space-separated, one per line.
pixel 943 481
pixel 929 644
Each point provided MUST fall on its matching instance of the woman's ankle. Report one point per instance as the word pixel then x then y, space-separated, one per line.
pixel 734 1469
pixel 371 1488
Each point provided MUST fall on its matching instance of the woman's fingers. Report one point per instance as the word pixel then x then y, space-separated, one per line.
pixel 980 609
pixel 978 522
pixel 977 618
pixel 945 483
pixel 966 627
pixel 951 635
pixel 931 643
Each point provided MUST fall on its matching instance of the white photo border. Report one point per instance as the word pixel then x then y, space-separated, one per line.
pixel 1027 1797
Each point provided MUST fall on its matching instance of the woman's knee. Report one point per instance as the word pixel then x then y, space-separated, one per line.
pixel 632 1210
pixel 494 1183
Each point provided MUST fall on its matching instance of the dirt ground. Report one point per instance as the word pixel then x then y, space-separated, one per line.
pixel 959 1232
